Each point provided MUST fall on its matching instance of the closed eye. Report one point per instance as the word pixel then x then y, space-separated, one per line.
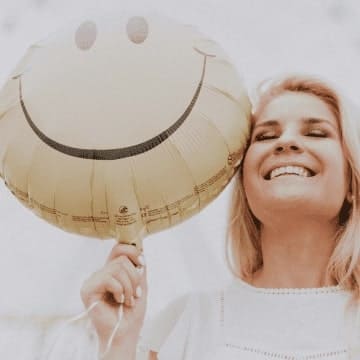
pixel 317 133
pixel 263 137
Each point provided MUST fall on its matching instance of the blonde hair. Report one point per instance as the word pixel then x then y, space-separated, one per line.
pixel 243 248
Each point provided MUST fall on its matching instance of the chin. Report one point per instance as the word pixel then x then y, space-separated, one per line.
pixel 298 206
pixel 290 194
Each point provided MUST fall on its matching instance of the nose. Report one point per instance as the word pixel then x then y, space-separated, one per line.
pixel 288 144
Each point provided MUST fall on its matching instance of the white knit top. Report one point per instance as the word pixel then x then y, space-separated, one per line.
pixel 249 323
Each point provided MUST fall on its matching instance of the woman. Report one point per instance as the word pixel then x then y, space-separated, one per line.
pixel 293 247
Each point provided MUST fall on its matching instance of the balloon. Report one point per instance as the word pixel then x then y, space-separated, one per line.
pixel 120 127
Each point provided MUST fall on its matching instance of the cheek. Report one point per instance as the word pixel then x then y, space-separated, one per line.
pixel 339 169
pixel 337 180
pixel 251 157
pixel 343 183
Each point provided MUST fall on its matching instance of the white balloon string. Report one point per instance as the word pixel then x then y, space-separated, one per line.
pixel 68 322
pixel 81 316
pixel 116 328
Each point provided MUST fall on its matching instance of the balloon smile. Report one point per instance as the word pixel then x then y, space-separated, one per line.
pixel 117 153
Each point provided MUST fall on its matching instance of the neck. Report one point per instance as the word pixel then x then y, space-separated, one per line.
pixel 295 254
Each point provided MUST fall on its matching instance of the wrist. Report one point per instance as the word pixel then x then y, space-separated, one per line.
pixel 123 348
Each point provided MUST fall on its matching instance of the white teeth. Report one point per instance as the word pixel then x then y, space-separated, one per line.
pixel 295 170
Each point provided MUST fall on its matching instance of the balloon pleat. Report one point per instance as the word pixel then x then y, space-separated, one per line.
pixel 139 198
pixel 182 165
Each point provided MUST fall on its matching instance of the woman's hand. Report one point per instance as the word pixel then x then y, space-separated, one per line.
pixel 121 280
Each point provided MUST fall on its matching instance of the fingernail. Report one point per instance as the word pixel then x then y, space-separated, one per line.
pixel 122 299
pixel 140 270
pixel 138 292
pixel 132 301
pixel 141 260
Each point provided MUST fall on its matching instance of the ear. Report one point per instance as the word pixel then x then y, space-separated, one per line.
pixel 349 197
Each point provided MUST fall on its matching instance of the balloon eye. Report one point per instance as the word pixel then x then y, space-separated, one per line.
pixel 137 29
pixel 86 35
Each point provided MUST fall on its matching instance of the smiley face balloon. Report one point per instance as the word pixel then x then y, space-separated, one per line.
pixel 120 127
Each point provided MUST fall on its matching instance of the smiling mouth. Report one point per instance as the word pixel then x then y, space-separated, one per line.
pixel 123 152
pixel 299 171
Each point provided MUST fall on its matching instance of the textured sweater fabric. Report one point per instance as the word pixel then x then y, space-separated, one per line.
pixel 250 323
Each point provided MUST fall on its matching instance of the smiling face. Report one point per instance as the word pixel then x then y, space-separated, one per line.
pixel 295 162
pixel 137 31
pixel 101 75
pixel 153 96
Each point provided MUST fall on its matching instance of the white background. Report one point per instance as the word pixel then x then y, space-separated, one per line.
pixel 41 267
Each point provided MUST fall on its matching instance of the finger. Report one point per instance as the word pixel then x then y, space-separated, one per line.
pixel 143 282
pixel 124 264
pixel 124 249
pixel 114 287
pixel 95 287
pixel 127 287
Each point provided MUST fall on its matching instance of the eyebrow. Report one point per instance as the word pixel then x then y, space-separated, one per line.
pixel 267 123
pixel 308 121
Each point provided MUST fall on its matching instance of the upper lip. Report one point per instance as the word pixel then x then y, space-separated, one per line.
pixel 266 174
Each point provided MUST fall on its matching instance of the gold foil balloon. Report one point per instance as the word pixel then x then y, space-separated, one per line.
pixel 121 127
